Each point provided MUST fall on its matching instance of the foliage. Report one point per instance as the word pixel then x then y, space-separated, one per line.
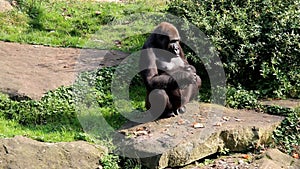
pixel 55 107
pixel 276 110
pixel 110 161
pixel 206 162
pixel 240 98
pixel 224 151
pixel 131 164
pixel 287 135
pixel 257 40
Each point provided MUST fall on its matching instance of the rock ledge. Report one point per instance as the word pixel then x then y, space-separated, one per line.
pixel 22 152
pixel 204 130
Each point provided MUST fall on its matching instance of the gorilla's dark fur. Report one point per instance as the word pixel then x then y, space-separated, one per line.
pixel 169 79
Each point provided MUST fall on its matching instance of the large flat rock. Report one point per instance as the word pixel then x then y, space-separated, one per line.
pixel 20 152
pixel 203 130
pixel 286 103
pixel 275 159
pixel 5 6
pixel 32 70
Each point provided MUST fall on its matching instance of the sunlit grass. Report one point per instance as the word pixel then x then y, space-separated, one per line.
pixel 68 23
pixel 47 133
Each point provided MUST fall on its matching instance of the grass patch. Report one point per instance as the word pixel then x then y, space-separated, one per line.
pixel 45 133
pixel 66 113
pixel 66 23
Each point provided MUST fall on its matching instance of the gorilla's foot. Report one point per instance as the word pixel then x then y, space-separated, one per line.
pixel 181 110
pixel 168 114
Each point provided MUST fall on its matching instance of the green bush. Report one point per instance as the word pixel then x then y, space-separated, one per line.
pixel 61 105
pixel 55 107
pixel 240 98
pixel 110 161
pixel 287 135
pixel 257 40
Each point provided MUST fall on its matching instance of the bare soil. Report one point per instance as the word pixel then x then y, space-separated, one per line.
pixel 32 70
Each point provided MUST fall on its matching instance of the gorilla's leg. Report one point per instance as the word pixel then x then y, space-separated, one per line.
pixel 187 94
pixel 162 106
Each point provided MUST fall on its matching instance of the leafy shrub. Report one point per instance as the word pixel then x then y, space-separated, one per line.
pixel 55 107
pixel 94 86
pixel 240 98
pixel 59 106
pixel 110 161
pixel 287 135
pixel 258 40
pixel 276 110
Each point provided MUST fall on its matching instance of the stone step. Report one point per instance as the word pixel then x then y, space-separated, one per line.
pixel 285 103
pixel 203 130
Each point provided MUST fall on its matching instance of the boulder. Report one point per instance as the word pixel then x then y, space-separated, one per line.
pixel 286 103
pixel 21 152
pixel 203 130
pixel 275 159
pixel 5 6
pixel 29 71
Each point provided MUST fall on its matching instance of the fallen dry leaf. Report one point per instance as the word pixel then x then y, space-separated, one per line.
pixel 295 155
pixel 97 12
pixel 198 125
pixel 180 121
pixel 140 133
pixel 245 156
pixel 218 124
pixel 141 128
pixel 202 119
pixel 164 130
pixel 125 132
pixel 226 118
pixel 238 120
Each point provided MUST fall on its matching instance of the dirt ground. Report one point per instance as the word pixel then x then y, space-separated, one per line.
pixel 32 70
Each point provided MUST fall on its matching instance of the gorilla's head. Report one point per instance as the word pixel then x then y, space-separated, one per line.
pixel 166 36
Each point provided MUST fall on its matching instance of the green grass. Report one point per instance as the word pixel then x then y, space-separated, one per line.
pixel 68 23
pixel 47 133
pixel 63 114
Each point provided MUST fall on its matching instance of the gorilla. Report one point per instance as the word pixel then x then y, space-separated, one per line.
pixel 170 80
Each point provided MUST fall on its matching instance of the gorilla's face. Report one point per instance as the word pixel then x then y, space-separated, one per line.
pixel 173 47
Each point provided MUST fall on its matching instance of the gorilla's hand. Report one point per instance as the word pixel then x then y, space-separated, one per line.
pixel 182 77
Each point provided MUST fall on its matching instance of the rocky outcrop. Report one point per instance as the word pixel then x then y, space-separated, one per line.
pixel 275 159
pixel 266 159
pixel 20 152
pixel 203 130
pixel 286 103
pixel 5 6
pixel 30 71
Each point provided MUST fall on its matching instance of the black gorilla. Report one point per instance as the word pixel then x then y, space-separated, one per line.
pixel 169 79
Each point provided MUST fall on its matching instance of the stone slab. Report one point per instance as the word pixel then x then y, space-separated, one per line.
pixel 203 130
pixel 21 152
pixel 32 70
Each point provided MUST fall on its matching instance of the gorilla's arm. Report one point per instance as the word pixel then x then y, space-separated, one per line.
pixel 183 76
pixel 149 71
